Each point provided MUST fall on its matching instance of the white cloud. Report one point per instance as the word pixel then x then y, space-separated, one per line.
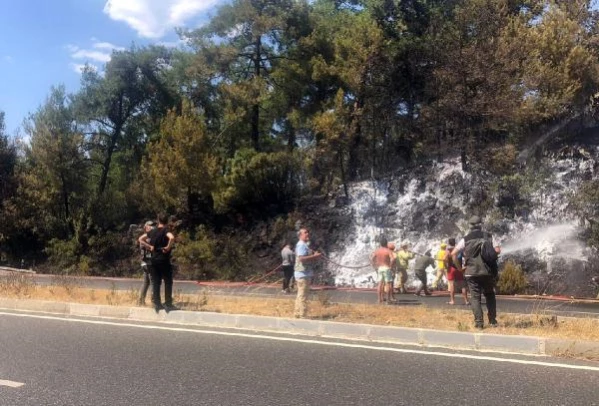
pixel 153 18
pixel 71 48
pixel 99 52
pixel 88 54
pixel 107 45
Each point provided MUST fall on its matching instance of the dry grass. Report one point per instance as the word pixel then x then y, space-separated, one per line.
pixel 320 308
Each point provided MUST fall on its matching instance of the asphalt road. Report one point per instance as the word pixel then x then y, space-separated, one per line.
pixel 504 304
pixel 102 362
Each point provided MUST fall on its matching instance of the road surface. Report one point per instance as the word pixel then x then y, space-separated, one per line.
pixel 49 360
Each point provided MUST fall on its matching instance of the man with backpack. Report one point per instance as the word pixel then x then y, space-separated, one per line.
pixel 479 265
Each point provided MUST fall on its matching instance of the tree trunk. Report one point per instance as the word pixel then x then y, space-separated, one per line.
pixel 65 202
pixel 256 107
pixel 342 170
pixel 118 126
pixel 108 160
pixel 356 140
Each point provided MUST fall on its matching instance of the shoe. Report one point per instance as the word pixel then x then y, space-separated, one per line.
pixel 478 326
pixel 428 294
pixel 158 307
pixel 170 308
pixel 417 294
pixel 493 323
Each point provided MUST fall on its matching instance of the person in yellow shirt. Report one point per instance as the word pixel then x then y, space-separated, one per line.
pixel 441 271
pixel 403 257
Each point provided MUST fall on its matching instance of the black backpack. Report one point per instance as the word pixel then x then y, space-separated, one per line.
pixel 488 253
pixel 480 254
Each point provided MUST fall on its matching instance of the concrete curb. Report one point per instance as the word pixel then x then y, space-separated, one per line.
pixel 483 341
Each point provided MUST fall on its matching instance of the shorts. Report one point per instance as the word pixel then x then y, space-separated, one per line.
pixel 385 275
pixel 454 274
pixel 456 285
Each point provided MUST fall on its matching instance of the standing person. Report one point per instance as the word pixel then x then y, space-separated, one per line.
pixel 160 242
pixel 381 260
pixel 288 258
pixel 146 263
pixel 403 258
pixel 441 271
pixel 480 269
pixel 304 259
pixel 391 247
pixel 455 277
pixel 420 266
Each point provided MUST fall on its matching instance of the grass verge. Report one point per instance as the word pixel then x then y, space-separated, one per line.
pixel 21 286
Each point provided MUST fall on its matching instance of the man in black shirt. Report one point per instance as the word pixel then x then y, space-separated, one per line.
pixel 160 242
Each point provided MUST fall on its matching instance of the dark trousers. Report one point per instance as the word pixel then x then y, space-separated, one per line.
pixel 160 271
pixel 146 283
pixel 482 285
pixel 422 279
pixel 287 275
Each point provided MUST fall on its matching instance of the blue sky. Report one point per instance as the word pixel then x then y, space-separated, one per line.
pixel 45 42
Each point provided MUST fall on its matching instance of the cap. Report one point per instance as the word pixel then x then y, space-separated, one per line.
pixel 149 223
pixel 474 221
pixel 443 245
pixel 404 244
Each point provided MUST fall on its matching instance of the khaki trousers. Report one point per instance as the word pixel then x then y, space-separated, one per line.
pixel 403 278
pixel 301 302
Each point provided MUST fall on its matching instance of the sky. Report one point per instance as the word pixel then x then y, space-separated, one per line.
pixel 45 43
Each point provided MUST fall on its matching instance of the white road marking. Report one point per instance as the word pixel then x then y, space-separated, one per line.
pixel 11 384
pixel 312 341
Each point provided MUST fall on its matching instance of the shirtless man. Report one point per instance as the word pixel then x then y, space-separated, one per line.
pixel 381 260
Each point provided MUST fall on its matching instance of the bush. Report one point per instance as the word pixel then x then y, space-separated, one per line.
pixel 63 254
pixel 258 182
pixel 207 255
pixel 512 279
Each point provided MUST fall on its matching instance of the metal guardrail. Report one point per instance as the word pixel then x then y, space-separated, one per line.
pixel 9 269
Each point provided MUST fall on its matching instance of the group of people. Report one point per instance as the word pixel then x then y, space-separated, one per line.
pixel 471 264
pixel 156 245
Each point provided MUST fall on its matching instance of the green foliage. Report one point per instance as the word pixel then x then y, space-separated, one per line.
pixel 108 247
pixel 63 255
pixel 205 255
pixel 182 161
pixel 258 182
pixel 8 161
pixel 512 279
pixel 67 256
